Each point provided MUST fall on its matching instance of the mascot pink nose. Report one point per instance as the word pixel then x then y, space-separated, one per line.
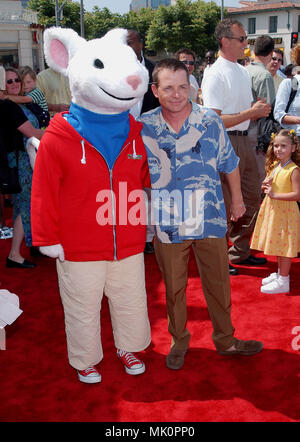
pixel 133 81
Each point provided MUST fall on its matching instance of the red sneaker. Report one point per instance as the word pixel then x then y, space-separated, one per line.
pixel 90 375
pixel 131 364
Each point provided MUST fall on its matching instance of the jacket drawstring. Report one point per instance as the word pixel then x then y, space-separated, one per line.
pixel 134 152
pixel 83 159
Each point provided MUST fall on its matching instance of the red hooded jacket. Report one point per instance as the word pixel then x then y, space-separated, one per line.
pixel 77 201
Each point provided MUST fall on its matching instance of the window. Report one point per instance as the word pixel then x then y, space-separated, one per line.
pixel 252 25
pixel 273 24
pixel 9 57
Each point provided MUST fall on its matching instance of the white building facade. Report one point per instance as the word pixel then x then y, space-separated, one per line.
pixel 276 18
pixel 20 36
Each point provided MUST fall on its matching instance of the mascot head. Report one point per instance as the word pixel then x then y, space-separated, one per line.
pixel 105 75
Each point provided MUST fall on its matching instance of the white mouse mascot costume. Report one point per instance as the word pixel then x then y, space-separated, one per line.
pixel 88 207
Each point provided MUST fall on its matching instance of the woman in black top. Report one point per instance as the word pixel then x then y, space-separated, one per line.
pixel 13 125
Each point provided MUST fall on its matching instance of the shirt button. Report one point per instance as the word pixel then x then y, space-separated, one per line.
pixel 178 179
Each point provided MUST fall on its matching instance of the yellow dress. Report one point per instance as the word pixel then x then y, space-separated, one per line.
pixel 277 228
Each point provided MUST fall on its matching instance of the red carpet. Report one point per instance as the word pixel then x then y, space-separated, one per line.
pixel 38 385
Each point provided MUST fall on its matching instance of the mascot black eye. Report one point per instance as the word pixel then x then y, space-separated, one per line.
pixel 98 64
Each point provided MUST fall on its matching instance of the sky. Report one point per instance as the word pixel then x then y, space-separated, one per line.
pixel 122 6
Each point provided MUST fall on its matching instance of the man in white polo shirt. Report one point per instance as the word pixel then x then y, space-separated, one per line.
pixel 226 89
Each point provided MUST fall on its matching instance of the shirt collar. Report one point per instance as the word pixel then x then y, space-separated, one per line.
pixel 258 63
pixel 162 125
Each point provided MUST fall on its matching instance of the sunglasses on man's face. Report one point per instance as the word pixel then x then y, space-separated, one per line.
pixel 11 80
pixel 240 39
pixel 277 59
pixel 191 63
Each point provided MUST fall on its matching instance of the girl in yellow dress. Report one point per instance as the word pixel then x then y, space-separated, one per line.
pixel 277 229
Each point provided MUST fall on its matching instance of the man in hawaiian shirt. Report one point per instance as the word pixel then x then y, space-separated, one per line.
pixel 187 147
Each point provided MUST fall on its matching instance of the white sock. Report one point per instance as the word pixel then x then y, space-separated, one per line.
pixel 284 279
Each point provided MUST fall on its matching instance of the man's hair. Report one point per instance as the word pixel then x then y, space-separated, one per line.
pixel 223 29
pixel 171 64
pixel 264 45
pixel 185 51
pixel 135 34
pixel 288 69
pixel 278 51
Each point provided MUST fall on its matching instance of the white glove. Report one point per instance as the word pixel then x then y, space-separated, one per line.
pixel 32 146
pixel 55 251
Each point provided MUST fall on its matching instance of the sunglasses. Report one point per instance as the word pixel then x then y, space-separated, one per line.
pixel 11 80
pixel 191 63
pixel 240 39
pixel 277 59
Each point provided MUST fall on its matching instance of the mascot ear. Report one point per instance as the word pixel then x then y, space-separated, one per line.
pixel 60 45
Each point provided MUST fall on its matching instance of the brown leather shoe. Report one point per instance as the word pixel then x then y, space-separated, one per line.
pixel 175 359
pixel 244 348
pixel 252 261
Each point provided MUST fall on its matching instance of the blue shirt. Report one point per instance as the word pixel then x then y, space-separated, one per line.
pixel 107 133
pixel 186 197
pixel 282 98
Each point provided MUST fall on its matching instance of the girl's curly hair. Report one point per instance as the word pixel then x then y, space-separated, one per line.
pixel 271 159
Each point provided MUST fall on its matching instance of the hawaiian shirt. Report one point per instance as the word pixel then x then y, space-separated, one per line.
pixel 186 197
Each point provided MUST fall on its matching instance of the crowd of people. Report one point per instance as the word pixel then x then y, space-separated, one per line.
pixel 21 102
pixel 201 141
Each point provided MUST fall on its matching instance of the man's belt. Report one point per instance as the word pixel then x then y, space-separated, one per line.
pixel 240 133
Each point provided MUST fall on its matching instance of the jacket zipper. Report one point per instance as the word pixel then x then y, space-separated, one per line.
pixel 113 212
pixel 112 196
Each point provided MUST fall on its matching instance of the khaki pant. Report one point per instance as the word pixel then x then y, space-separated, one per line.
pixel 82 285
pixel 240 231
pixel 212 263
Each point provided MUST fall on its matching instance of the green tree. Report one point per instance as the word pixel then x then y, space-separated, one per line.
pixel 186 24
pixel 100 21
pixel 140 21
pixel 206 18
pixel 189 24
pixel 46 13
pixel 45 10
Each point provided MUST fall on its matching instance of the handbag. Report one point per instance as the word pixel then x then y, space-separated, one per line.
pixel 266 126
pixel 9 177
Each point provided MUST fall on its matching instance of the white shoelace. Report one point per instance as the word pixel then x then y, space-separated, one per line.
pixel 129 357
pixel 89 370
